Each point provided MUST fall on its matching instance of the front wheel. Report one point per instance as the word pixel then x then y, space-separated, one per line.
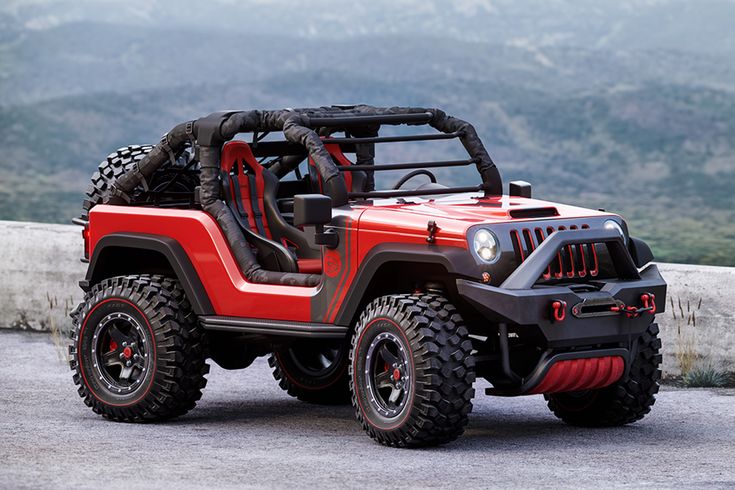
pixel 411 371
pixel 137 352
pixel 626 401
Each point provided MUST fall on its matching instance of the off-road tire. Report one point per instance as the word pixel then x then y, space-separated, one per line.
pixel 123 160
pixel 624 402
pixel 177 375
pixel 441 370
pixel 330 388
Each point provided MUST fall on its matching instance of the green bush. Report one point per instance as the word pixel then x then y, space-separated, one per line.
pixel 707 377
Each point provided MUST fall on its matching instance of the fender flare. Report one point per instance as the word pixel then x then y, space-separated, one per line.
pixel 168 247
pixel 456 260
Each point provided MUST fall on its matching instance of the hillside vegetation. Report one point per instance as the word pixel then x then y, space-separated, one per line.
pixel 639 124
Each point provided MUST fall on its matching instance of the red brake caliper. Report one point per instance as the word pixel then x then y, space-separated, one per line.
pixel 113 345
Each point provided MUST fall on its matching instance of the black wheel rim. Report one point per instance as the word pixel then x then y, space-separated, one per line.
pixel 387 375
pixel 318 362
pixel 121 353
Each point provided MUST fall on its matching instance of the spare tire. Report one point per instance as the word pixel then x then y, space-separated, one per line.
pixel 123 160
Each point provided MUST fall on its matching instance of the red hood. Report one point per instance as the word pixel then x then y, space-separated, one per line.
pixel 455 214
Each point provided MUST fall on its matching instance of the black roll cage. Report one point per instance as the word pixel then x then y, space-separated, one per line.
pixel 360 123
pixel 307 129
pixel 348 145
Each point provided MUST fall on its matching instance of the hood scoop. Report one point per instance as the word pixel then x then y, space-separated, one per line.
pixel 528 213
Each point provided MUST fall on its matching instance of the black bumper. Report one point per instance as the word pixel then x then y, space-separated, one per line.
pixel 589 317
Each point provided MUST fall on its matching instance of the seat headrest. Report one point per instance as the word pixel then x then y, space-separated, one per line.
pixel 237 153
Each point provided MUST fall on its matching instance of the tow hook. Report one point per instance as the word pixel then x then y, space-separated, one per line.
pixel 558 310
pixel 649 305
pixel 649 301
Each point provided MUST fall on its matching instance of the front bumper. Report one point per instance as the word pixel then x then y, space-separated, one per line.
pixel 589 317
pixel 589 332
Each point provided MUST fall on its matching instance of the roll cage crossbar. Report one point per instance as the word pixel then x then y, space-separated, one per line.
pixel 407 166
pixel 306 128
pixel 348 145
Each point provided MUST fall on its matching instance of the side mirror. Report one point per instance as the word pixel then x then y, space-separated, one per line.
pixel 315 210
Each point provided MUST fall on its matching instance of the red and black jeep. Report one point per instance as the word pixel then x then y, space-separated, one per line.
pixel 204 246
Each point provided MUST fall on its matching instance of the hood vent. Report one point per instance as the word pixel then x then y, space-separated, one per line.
pixel 526 213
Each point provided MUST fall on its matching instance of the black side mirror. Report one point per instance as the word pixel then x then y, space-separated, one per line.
pixel 315 210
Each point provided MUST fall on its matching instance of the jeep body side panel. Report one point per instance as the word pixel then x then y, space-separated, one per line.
pixel 390 236
pixel 108 250
pixel 205 245
pixel 452 259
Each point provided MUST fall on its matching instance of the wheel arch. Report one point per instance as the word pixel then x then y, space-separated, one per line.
pixel 398 268
pixel 120 254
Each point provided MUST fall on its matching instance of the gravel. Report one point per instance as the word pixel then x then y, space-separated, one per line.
pixel 246 432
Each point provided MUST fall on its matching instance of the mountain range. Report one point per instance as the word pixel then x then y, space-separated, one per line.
pixel 628 106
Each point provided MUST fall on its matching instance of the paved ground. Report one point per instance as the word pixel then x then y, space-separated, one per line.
pixel 246 432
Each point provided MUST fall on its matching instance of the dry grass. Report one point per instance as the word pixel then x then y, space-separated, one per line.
pixel 59 340
pixel 686 353
pixel 685 315
pixel 58 334
pixel 696 369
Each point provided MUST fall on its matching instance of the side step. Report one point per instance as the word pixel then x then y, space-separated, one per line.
pixel 274 328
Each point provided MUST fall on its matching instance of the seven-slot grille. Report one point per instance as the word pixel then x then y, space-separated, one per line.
pixel 572 261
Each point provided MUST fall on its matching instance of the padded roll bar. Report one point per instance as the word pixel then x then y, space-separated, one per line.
pixel 346 121
pixel 301 126
pixel 395 139
pixel 407 166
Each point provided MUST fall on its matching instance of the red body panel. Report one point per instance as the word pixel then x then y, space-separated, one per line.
pixel 207 248
pixel 384 221
pixel 459 212
pixel 390 221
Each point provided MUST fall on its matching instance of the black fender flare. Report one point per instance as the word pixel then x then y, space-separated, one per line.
pixel 456 260
pixel 171 249
pixel 639 251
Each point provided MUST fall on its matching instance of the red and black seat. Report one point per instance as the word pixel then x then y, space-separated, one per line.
pixel 247 189
pixel 355 181
pixel 250 191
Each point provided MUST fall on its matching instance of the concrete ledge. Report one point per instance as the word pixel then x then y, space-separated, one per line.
pixel 699 318
pixel 40 268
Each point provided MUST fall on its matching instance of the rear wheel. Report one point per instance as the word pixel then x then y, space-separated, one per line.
pixel 314 372
pixel 137 352
pixel 626 401
pixel 412 371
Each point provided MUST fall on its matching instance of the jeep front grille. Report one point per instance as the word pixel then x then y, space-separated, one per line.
pixel 573 261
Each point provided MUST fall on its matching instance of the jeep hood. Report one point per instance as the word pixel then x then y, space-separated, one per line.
pixel 455 214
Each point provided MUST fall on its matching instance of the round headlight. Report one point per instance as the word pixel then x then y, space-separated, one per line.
pixel 614 225
pixel 486 246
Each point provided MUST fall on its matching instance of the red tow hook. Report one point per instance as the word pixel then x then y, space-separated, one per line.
pixel 649 301
pixel 558 310
pixel 649 305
